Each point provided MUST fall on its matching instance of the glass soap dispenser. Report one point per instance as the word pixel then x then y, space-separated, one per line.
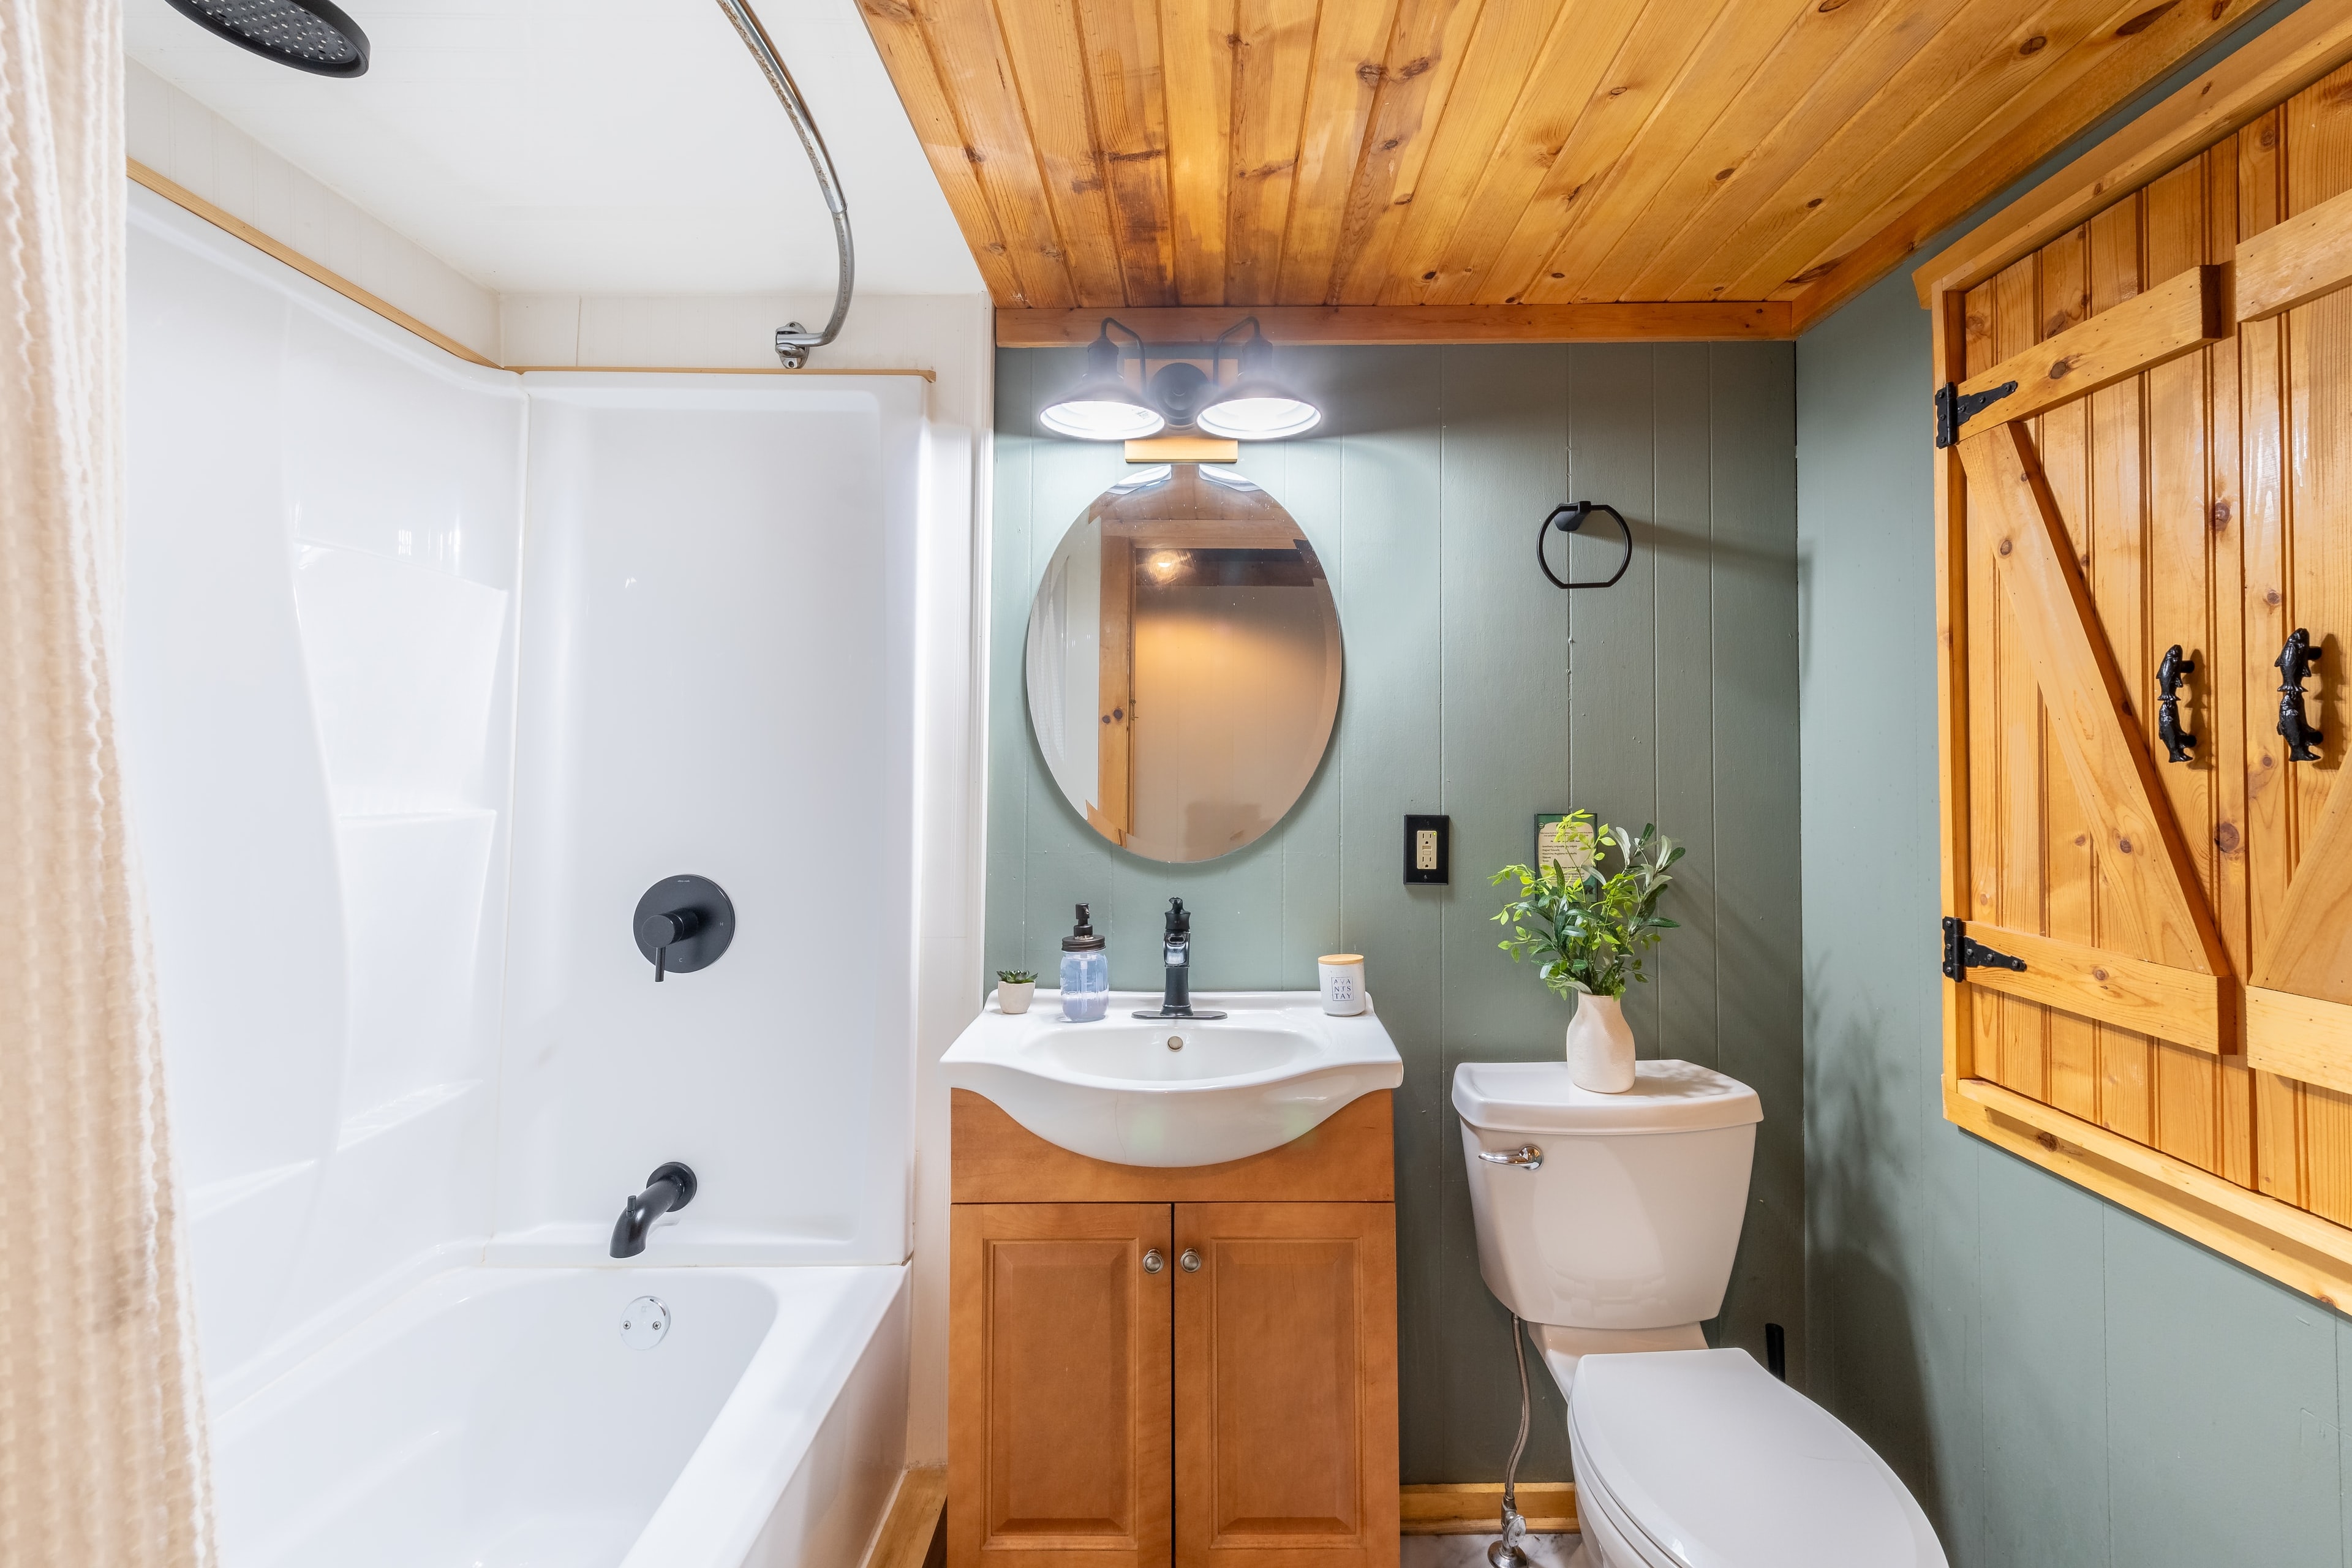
pixel 1085 973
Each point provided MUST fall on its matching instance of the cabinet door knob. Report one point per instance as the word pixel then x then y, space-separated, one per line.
pixel 1152 1262
pixel 1189 1262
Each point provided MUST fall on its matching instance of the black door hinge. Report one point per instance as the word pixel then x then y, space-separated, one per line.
pixel 1963 952
pixel 1955 409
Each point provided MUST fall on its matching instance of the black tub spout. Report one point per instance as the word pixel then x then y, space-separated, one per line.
pixel 670 1187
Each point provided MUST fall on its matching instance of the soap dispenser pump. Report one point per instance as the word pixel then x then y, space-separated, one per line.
pixel 1085 973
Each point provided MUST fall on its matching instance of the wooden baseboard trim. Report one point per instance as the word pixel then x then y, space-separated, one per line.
pixel 1476 1508
pixel 910 1536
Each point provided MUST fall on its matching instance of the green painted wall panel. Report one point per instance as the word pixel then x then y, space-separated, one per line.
pixel 2058 1381
pixel 1465 695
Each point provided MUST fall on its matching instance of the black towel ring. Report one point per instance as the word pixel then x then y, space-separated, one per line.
pixel 1569 519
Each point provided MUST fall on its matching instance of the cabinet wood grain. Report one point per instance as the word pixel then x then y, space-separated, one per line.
pixel 1057 1401
pixel 1285 1385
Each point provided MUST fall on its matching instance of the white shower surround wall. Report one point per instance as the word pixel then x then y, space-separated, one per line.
pixel 384 1066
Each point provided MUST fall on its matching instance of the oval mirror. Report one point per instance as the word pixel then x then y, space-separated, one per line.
pixel 1183 663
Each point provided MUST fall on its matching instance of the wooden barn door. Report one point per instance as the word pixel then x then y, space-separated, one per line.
pixel 2147 488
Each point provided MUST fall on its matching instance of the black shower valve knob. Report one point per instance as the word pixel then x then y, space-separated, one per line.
pixel 671 927
pixel 683 924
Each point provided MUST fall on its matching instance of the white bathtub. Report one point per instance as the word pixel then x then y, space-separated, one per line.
pixel 493 1418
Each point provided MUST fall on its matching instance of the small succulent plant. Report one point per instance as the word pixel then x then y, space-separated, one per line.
pixel 1016 976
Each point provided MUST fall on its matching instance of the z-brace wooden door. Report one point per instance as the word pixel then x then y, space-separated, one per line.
pixel 2145 487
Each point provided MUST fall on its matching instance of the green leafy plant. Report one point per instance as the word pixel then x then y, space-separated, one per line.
pixel 1016 976
pixel 1586 929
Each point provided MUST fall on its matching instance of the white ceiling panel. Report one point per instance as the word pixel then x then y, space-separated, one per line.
pixel 596 146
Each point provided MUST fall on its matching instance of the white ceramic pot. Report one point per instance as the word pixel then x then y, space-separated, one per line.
pixel 1599 1046
pixel 1012 998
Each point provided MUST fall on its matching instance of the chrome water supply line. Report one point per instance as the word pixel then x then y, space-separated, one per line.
pixel 794 341
pixel 1508 1553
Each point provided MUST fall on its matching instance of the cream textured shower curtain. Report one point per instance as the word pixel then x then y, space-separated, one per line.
pixel 100 1438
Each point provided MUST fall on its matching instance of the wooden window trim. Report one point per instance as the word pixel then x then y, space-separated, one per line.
pixel 2297 1035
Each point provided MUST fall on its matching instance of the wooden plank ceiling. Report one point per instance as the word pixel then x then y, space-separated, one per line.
pixel 1736 167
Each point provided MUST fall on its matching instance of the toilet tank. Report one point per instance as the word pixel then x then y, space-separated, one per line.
pixel 1607 1211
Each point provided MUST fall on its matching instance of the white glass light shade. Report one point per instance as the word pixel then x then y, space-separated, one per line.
pixel 1257 409
pixel 1102 409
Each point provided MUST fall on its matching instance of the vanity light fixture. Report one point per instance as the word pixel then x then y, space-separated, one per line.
pixel 1102 406
pixel 1255 407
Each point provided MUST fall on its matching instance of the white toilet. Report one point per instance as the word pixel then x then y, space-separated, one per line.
pixel 1608 1223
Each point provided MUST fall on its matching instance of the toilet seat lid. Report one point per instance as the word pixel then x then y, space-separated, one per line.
pixel 1721 1465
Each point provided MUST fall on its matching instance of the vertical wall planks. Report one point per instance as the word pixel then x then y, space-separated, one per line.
pixel 1422 501
pixel 1388 741
pixel 1505 729
pixel 1752 527
pixel 1612 668
pixel 1683 653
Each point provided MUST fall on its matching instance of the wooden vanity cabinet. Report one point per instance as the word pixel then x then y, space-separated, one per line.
pixel 1189 1366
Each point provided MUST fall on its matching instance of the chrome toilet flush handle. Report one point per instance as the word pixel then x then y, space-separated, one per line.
pixel 1527 1157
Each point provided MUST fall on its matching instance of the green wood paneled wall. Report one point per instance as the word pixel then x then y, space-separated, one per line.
pixel 1475 689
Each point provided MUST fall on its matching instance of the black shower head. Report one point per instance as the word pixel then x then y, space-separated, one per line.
pixel 310 34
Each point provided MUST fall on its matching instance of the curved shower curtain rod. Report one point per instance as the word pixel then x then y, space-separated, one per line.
pixel 794 341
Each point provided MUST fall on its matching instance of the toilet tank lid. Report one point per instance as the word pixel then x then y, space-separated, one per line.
pixel 1724 1466
pixel 1537 1097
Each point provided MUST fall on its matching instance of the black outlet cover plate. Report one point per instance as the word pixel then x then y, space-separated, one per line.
pixel 1444 871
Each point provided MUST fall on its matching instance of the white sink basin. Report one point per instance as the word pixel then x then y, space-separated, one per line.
pixel 1115 1089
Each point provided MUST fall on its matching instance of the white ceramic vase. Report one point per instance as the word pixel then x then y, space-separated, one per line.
pixel 1599 1046
pixel 1014 999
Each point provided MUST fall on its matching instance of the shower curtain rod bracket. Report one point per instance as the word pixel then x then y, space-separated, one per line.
pixel 794 341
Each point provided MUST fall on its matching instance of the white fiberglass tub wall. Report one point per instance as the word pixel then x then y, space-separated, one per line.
pixel 717 679
pixel 322 543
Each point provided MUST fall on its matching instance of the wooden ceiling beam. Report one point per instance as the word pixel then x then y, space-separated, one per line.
pixel 1749 320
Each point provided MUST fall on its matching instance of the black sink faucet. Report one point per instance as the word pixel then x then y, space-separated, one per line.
pixel 670 1187
pixel 1176 949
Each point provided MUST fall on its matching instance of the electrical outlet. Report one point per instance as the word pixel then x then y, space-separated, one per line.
pixel 1427 851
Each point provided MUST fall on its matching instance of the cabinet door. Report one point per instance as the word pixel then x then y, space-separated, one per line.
pixel 1285 1385
pixel 1057 1393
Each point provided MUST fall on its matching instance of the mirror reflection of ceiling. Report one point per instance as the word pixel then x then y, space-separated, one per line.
pixel 596 146
pixel 1183 663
